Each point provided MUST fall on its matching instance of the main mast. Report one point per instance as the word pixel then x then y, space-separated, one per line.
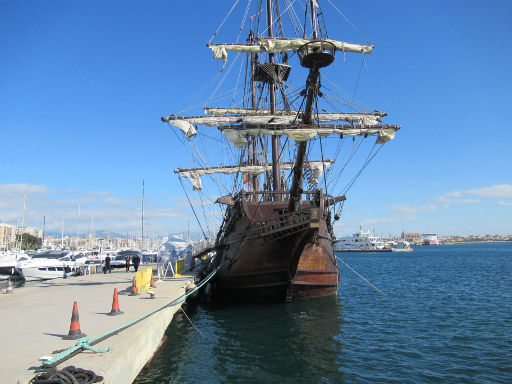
pixel 253 157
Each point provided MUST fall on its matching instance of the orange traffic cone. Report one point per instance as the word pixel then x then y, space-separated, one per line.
pixel 74 329
pixel 134 288
pixel 115 305
pixel 152 283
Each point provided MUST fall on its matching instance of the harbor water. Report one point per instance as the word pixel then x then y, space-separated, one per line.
pixel 446 317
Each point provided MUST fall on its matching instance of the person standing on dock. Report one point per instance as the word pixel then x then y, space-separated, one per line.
pixel 136 262
pixel 127 259
pixel 107 265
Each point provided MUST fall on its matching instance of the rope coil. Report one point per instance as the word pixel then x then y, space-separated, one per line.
pixel 68 375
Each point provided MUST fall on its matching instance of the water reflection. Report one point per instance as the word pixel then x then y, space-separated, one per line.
pixel 256 343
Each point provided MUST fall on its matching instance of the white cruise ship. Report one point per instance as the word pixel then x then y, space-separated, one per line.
pixel 430 239
pixel 360 242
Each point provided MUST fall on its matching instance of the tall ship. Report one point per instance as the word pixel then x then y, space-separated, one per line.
pixel 273 157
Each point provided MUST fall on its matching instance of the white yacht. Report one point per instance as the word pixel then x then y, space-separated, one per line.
pixel 9 260
pixel 51 264
pixel 360 242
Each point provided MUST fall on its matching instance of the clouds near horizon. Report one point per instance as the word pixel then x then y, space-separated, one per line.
pixel 79 211
pixel 444 207
pixel 164 214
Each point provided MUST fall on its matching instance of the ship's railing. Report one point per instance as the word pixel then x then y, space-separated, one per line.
pixel 317 54
pixel 275 195
pixel 285 221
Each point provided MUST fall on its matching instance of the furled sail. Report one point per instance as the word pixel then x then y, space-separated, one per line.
pixel 195 174
pixel 186 124
pixel 244 111
pixel 239 135
pixel 322 117
pixel 274 45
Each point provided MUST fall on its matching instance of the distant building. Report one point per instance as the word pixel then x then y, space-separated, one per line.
pixel 413 238
pixel 32 231
pixel 8 234
pixel 430 239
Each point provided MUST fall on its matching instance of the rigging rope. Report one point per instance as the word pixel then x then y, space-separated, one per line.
pixel 324 24
pixel 223 21
pixel 294 19
pixel 354 149
pixel 279 17
pixel 243 20
pixel 368 160
pixel 207 166
pixel 363 63
pixel 191 206
pixel 343 100
pixel 352 269
pixel 321 146
pixel 349 22
pixel 225 75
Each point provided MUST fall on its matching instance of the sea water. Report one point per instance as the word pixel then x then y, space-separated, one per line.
pixel 445 317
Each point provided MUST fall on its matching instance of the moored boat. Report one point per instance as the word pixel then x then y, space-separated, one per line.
pixel 402 246
pixel 361 242
pixel 51 264
pixel 9 260
pixel 275 241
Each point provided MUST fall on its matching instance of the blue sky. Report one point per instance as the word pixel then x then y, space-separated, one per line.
pixel 83 85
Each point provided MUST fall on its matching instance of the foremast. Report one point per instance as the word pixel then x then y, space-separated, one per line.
pixel 307 119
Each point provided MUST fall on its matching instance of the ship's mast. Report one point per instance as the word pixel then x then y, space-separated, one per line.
pixel 307 119
pixel 142 218
pixel 276 169
pixel 254 185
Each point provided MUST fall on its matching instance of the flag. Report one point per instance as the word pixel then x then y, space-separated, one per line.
pixel 246 178
pixel 253 17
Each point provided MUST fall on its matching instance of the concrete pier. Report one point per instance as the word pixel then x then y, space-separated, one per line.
pixel 34 319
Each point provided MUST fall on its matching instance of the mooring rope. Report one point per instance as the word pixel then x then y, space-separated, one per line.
pixel 87 343
pixel 361 276
pixel 193 325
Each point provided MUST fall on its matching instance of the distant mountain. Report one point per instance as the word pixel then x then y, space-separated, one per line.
pixel 98 233
pixel 194 236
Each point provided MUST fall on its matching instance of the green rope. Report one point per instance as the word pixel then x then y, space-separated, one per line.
pixel 86 343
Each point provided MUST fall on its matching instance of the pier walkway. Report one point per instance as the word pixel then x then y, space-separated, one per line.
pixel 34 319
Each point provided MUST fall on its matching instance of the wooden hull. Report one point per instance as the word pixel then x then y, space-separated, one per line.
pixel 287 257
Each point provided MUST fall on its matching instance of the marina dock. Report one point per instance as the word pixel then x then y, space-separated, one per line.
pixel 34 319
